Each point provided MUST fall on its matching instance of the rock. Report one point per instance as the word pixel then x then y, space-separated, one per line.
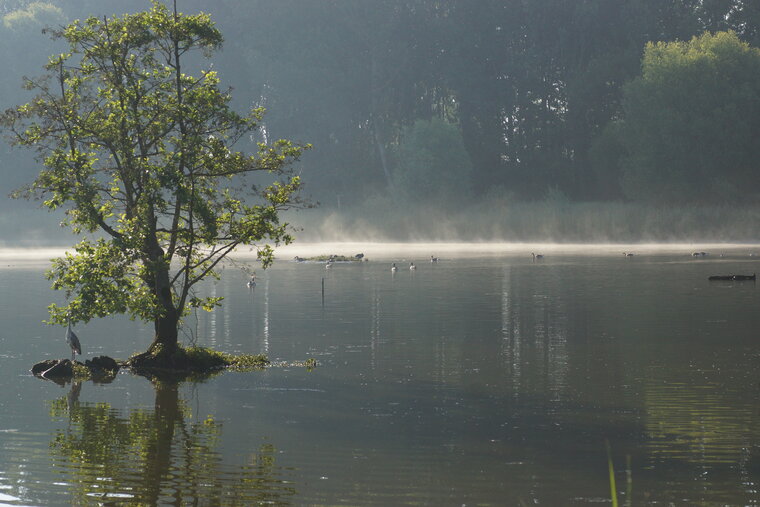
pixel 102 363
pixel 42 366
pixel 100 369
pixel 62 368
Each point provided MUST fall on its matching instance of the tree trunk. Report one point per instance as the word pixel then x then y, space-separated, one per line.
pixel 166 332
pixel 383 158
pixel 165 325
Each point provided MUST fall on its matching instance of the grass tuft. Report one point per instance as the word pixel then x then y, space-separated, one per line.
pixel 613 487
pixel 81 372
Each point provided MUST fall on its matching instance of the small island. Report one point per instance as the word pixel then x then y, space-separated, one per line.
pixel 332 258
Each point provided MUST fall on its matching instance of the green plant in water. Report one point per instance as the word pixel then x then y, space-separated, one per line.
pixel 611 468
pixel 81 372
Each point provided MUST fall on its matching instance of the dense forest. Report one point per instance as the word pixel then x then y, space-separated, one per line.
pixel 620 120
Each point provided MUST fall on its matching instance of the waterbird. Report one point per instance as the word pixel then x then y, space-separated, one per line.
pixel 412 266
pixel 252 281
pixel 433 259
pixel 73 342
pixel 394 268
pixel 299 259
pixel 359 256
pixel 628 254
pixel 329 263
pixel 537 256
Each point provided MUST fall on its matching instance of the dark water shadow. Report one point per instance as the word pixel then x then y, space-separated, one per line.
pixel 155 455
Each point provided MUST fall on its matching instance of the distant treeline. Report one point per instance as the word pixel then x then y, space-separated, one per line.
pixel 451 104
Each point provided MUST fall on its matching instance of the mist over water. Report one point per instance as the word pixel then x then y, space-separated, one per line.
pixel 11 258
pixel 497 220
pixel 491 221
pixel 453 250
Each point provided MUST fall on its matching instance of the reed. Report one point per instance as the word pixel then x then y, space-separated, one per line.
pixel 611 468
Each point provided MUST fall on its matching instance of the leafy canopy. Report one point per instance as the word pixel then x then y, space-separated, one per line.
pixel 139 153
pixel 432 163
pixel 692 120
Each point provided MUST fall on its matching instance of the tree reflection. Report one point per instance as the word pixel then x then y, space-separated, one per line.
pixel 155 456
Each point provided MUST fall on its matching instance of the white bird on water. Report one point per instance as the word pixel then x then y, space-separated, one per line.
pixel 412 266
pixel 73 342
pixel 252 282
pixel 394 268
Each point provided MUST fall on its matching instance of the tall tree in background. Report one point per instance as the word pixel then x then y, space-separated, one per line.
pixel 350 73
pixel 140 151
pixel 432 165
pixel 692 121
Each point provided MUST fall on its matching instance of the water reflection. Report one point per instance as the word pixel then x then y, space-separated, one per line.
pixel 265 332
pixel 154 456
pixel 492 382
pixel 534 329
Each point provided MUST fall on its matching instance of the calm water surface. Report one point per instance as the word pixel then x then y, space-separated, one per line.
pixel 484 379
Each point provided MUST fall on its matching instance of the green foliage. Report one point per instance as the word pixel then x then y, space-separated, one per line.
pixel 433 165
pixel 140 152
pixel 692 120
pixel 103 277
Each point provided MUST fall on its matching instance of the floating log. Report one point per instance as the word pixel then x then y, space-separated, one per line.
pixel 737 278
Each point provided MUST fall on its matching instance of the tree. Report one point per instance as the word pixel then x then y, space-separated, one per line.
pixel 140 152
pixel 433 165
pixel 692 121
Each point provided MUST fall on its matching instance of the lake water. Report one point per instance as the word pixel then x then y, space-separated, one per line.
pixel 483 379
